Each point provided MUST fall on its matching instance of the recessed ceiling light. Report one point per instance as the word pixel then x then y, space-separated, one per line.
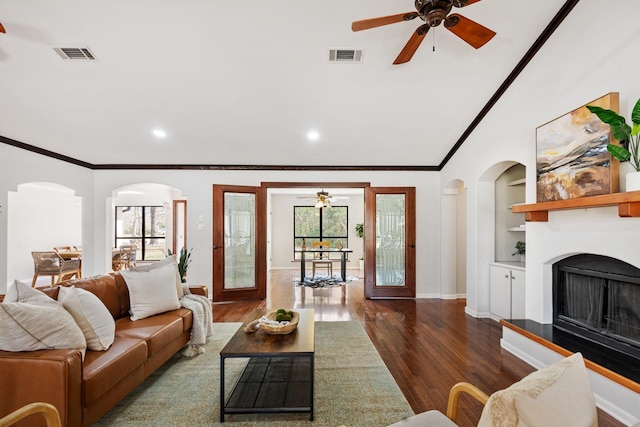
pixel 159 133
pixel 313 135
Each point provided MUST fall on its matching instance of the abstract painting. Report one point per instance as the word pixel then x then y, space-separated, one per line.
pixel 571 155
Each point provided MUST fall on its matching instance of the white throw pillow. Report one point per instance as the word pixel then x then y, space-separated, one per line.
pixel 29 327
pixel 151 292
pixel 91 315
pixel 171 259
pixel 562 387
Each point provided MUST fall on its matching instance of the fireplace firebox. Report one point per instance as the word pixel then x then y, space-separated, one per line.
pixel 598 298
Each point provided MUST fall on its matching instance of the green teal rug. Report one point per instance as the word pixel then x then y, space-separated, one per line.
pixel 352 387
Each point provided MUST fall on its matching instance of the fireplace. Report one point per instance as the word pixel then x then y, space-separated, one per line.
pixel 598 298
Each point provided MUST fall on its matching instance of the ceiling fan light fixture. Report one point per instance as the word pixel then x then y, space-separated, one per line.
pixel 435 17
pixel 319 204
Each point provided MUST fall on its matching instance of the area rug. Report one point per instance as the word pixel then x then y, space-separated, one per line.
pixel 352 387
pixel 323 281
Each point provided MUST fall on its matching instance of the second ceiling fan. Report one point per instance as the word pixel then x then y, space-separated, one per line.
pixel 433 13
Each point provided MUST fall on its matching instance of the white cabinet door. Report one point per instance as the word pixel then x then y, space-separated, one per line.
pixel 517 294
pixel 500 292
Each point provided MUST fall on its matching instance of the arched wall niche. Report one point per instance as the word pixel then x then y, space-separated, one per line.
pixel 486 230
pixel 40 215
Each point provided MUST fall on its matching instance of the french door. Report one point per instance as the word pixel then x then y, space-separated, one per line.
pixel 239 243
pixel 390 234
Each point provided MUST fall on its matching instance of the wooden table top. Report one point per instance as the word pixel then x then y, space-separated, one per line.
pixel 259 343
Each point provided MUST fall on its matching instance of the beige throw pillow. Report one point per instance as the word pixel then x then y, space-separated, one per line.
pixel 171 259
pixel 151 292
pixel 91 315
pixel 562 387
pixel 30 320
pixel 21 292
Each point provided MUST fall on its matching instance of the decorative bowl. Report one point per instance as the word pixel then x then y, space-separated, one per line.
pixel 282 329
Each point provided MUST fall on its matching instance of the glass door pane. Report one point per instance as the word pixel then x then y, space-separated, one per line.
pixel 390 240
pixel 239 240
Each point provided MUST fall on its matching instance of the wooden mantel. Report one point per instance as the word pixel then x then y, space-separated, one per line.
pixel 628 205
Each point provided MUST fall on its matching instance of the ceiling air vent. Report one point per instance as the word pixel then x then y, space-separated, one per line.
pixel 345 55
pixel 75 53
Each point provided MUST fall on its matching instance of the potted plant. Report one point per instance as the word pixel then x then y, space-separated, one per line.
pixel 360 233
pixel 520 250
pixel 629 137
pixel 183 262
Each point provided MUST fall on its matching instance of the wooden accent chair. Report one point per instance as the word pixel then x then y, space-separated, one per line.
pixel 50 263
pixel 123 259
pixel 321 259
pixel 47 410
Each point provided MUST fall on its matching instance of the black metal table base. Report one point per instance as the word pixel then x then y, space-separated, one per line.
pixel 270 385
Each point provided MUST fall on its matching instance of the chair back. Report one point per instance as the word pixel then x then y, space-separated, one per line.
pixel 46 262
pixel 320 245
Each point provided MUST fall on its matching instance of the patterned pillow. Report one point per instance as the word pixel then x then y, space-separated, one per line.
pixel 558 395
pixel 91 315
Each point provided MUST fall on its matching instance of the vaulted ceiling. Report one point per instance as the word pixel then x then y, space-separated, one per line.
pixel 237 83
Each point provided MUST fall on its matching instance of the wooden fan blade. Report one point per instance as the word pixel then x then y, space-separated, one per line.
pixel 2 30
pixel 412 45
pixel 383 20
pixel 469 31
pixel 471 2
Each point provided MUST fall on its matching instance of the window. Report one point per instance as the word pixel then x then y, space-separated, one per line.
pixel 144 227
pixel 326 224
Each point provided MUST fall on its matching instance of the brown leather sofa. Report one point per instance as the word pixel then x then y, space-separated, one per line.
pixel 83 391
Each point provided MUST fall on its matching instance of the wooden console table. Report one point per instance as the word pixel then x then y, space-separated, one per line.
pixel 628 205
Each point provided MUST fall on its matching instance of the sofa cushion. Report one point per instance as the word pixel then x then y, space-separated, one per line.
pixel 157 331
pixel 151 292
pixel 103 369
pixel 91 315
pixel 562 387
pixel 170 260
pixel 40 323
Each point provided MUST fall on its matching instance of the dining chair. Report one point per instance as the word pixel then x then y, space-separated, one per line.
pixel 126 257
pixel 321 259
pixel 50 263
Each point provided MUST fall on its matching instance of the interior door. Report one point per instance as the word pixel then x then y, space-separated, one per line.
pixel 390 234
pixel 239 243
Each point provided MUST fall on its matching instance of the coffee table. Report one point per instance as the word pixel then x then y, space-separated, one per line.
pixel 279 374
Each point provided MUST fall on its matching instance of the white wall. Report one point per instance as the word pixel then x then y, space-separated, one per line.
pixel 41 216
pixel 586 58
pixel 196 188
pixel 19 167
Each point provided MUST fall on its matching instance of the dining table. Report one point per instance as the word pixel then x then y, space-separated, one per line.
pixel 331 251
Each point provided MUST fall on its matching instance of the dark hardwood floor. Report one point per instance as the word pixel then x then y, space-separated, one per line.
pixel 427 344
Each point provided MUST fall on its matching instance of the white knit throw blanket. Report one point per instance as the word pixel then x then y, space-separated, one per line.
pixel 202 326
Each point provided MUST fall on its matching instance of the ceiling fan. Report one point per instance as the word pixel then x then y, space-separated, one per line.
pixel 433 13
pixel 324 199
pixel 2 30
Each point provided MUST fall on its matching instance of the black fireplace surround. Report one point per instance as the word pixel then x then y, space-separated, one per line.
pixel 597 298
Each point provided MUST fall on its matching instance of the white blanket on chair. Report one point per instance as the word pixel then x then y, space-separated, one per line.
pixel 202 326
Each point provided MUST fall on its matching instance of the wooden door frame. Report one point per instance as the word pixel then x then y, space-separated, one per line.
pixel 260 290
pixel 371 290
